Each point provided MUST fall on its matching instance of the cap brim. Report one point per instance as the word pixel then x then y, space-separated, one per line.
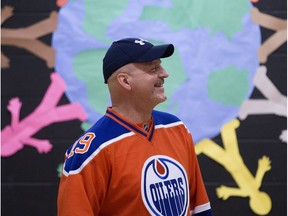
pixel 156 52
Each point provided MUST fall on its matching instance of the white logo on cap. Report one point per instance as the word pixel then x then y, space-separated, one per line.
pixel 141 42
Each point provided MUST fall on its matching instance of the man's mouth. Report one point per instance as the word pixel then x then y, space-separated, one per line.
pixel 159 84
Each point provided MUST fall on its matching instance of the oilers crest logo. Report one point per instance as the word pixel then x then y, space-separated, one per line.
pixel 164 186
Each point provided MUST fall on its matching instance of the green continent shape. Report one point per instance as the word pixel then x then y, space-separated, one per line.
pixel 99 14
pixel 218 16
pixel 228 86
pixel 88 69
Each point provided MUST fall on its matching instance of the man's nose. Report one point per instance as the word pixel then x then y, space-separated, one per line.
pixel 163 73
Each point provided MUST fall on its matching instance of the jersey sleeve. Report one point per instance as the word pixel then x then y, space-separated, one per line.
pixel 199 201
pixel 83 183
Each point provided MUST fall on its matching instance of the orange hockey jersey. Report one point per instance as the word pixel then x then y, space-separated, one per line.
pixel 118 168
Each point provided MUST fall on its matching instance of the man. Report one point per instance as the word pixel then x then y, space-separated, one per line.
pixel 134 160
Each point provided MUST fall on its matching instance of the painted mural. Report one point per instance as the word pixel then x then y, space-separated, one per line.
pixel 223 84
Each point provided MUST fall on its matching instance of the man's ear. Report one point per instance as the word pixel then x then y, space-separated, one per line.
pixel 123 80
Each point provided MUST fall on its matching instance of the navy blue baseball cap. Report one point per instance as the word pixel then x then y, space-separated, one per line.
pixel 132 50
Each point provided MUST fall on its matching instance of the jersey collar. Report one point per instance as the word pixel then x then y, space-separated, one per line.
pixel 129 125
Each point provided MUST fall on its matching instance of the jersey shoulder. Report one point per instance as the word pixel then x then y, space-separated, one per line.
pixel 164 118
pixel 103 133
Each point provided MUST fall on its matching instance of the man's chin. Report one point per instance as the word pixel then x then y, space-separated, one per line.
pixel 161 99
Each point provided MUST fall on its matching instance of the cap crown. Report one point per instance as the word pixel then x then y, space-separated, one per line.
pixel 131 50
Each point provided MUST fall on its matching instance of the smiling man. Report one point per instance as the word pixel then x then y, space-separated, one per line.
pixel 134 160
